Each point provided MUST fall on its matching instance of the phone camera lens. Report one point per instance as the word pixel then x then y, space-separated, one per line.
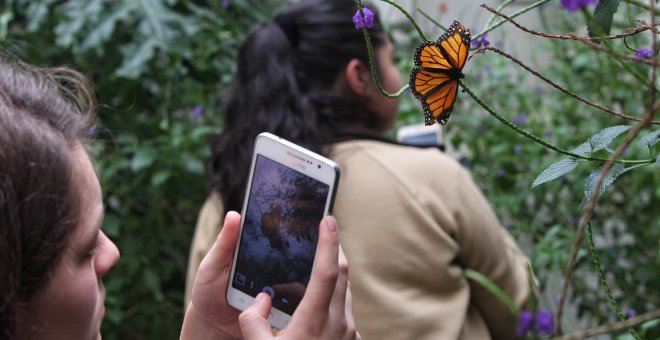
pixel 319 166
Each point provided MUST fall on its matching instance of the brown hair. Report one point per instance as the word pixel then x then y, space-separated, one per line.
pixel 44 112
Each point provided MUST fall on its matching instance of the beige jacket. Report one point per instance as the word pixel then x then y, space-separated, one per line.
pixel 411 220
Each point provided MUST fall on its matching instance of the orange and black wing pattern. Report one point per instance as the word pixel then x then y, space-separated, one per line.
pixel 438 69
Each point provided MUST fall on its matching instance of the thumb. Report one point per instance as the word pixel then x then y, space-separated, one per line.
pixel 254 320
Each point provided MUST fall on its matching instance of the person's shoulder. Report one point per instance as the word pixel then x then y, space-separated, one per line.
pixel 409 164
pixel 395 155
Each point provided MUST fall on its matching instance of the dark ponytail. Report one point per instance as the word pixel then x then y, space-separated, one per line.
pixel 286 75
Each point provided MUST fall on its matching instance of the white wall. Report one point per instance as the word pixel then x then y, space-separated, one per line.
pixel 471 15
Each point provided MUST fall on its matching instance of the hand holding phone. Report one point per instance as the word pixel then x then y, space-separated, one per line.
pixel 319 316
pixel 289 190
pixel 326 312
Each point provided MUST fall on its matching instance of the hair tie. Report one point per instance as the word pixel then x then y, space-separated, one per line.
pixel 288 26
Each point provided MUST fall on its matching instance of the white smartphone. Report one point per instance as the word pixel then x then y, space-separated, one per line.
pixel 420 134
pixel 289 190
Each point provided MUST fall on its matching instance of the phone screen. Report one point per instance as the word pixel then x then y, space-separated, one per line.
pixel 280 233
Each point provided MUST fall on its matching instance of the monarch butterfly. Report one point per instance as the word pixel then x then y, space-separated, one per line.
pixel 438 66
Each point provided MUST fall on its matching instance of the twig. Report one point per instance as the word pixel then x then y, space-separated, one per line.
pixel 628 32
pixel 589 41
pixel 611 327
pixel 653 107
pixel 555 85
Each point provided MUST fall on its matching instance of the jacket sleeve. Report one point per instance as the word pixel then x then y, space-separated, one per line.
pixel 209 223
pixel 486 247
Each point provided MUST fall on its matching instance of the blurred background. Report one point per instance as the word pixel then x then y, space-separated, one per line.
pixel 161 68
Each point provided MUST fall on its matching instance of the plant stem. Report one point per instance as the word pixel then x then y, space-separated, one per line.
pixel 603 282
pixel 372 59
pixel 541 141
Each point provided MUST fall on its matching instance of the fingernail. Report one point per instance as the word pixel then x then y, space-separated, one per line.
pixel 259 297
pixel 331 223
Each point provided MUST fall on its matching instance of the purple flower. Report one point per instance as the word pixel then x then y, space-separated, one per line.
pixel 197 111
pixel 524 323
pixel 368 18
pixel 643 53
pixel 500 173
pixel 520 119
pixel 482 41
pixel 544 324
pixel 631 313
pixel 517 148
pixel 225 4
pixel 575 5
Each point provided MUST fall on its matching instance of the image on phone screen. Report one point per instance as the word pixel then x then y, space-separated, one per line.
pixel 280 233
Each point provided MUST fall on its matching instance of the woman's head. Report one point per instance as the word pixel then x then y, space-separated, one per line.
pixel 293 80
pixel 49 196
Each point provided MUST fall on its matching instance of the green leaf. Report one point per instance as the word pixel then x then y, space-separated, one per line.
pixel 152 282
pixel 77 13
pixel 556 170
pixel 104 30
pixel 494 289
pixel 111 225
pixel 603 14
pixel 650 139
pixel 136 56
pixel 192 164
pixel 142 159
pixel 38 11
pixel 614 172
pixel 604 138
pixel 583 149
pixel 160 177
pixel 5 19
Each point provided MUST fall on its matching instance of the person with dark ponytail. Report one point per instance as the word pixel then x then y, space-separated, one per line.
pixel 412 220
pixel 53 254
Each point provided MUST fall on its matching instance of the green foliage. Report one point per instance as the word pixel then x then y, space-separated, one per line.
pixel 161 68
pixel 603 15
pixel 504 162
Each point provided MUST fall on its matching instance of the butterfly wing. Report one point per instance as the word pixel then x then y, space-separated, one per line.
pixel 434 81
pixel 429 55
pixel 455 44
pixel 436 91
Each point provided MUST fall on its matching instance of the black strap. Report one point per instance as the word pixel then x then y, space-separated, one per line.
pixel 348 136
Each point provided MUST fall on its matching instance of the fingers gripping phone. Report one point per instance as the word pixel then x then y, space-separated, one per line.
pixel 289 191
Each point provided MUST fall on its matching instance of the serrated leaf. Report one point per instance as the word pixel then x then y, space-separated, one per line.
pixel 78 13
pixel 5 19
pixel 650 139
pixel 142 159
pixel 604 138
pixel 556 170
pixel 104 30
pixel 135 58
pixel 603 14
pixel 38 11
pixel 583 149
pixel 614 172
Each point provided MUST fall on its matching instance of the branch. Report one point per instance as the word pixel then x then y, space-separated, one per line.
pixel 589 41
pixel 586 216
pixel 611 327
pixel 555 85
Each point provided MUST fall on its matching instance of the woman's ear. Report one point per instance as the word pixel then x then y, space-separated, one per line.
pixel 358 76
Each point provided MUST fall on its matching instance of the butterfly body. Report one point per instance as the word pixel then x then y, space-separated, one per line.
pixel 438 69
